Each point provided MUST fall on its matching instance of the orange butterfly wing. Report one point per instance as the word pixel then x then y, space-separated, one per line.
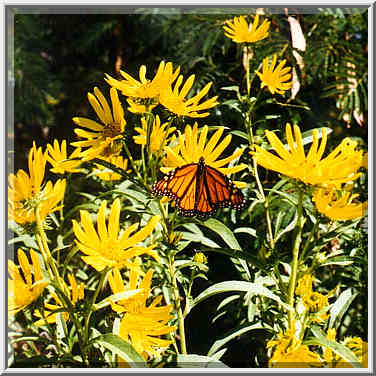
pixel 222 192
pixel 179 185
pixel 199 190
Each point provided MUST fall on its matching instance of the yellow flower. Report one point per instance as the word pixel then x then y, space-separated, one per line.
pixel 137 106
pixel 340 166
pixel 193 146
pixel 116 160
pixel 106 246
pixel 355 344
pixel 275 78
pixel 304 285
pixel 24 289
pixel 57 156
pixel 103 138
pixel 290 353
pixel 200 257
pixel 315 303
pixel 176 102
pixel 142 324
pixel 239 30
pixel 359 348
pixel 338 206
pixel 74 296
pixel 145 89
pixel 365 161
pixel 25 192
pixel 158 136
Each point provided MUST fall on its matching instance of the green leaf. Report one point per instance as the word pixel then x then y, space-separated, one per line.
pixel 289 197
pixel 339 308
pixel 198 238
pixel 230 286
pixel 339 260
pixel 270 117
pixel 138 196
pixel 288 228
pixel 26 239
pixel 122 348
pixel 338 348
pixel 234 333
pixel 247 230
pixel 180 264
pixel 236 253
pixel 232 103
pixel 227 235
pixel 61 326
pixel 231 88
pixel 223 231
pixel 218 355
pixel 198 361
pixel 240 134
pixel 227 300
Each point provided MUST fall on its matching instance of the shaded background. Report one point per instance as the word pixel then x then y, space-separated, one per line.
pixel 58 58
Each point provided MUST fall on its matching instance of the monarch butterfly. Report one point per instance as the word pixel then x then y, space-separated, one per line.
pixel 199 190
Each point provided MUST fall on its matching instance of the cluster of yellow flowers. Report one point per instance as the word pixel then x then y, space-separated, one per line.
pixel 276 79
pixel 31 201
pixel 328 175
pixel 288 351
pixel 315 303
pixel 141 324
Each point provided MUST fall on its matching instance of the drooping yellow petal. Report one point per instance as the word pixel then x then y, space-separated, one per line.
pixel 339 167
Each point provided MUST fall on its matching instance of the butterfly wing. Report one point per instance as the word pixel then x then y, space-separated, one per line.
pixel 204 207
pixel 180 185
pixel 221 191
pixel 199 192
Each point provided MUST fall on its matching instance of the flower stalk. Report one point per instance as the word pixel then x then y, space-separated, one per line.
pixel 94 298
pixel 175 290
pixel 265 202
pixel 43 245
pixel 295 258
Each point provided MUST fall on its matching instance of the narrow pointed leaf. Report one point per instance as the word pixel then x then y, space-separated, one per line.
pixel 122 348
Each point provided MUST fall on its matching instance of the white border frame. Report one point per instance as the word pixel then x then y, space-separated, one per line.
pixel 198 3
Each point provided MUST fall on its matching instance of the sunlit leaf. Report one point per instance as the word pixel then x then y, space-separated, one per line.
pixel 122 348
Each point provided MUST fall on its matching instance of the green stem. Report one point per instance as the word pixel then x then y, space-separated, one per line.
pixel 68 305
pixel 295 258
pixel 267 214
pixel 149 125
pixel 129 156
pixel 43 245
pixel 189 291
pixel 175 289
pixel 94 298
pixel 45 259
pixel 165 221
pixel 308 241
pixel 143 161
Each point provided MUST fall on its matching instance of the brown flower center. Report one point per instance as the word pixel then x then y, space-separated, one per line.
pixel 112 130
